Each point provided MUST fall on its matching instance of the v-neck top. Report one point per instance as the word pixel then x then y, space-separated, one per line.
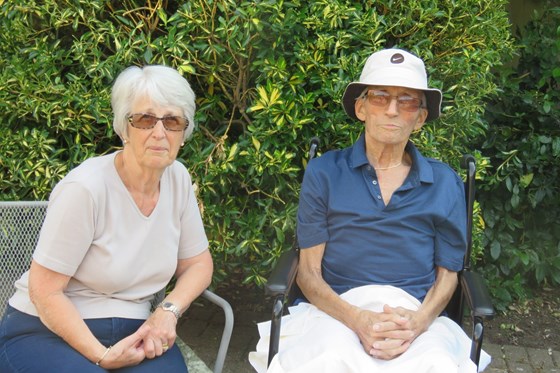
pixel 116 256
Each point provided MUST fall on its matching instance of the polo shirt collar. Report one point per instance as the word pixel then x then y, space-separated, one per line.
pixel 421 169
pixel 358 157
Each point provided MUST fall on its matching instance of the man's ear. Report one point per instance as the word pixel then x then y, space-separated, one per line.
pixel 360 109
pixel 422 115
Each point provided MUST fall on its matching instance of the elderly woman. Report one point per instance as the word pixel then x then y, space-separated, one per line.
pixel 118 228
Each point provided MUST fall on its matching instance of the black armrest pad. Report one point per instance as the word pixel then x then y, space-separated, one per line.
pixel 477 295
pixel 283 274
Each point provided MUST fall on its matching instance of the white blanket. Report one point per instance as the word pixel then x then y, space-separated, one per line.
pixel 311 341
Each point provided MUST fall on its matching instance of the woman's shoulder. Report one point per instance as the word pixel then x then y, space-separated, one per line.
pixel 177 171
pixel 93 164
pixel 92 169
pixel 92 174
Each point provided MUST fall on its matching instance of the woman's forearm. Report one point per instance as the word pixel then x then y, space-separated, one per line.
pixel 193 276
pixel 58 313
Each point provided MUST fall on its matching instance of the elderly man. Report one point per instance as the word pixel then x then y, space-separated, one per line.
pixel 382 232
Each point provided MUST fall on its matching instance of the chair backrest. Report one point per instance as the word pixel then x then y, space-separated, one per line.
pixel 20 224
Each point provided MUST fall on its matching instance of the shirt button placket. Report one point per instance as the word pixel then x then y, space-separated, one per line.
pixel 371 174
pixel 374 182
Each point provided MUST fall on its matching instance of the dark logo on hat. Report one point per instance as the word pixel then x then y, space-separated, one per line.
pixel 397 58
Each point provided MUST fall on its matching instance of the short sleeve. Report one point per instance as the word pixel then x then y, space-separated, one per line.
pixel 193 240
pixel 312 211
pixel 451 232
pixel 68 229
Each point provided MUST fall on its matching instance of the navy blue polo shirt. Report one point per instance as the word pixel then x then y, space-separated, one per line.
pixel 368 242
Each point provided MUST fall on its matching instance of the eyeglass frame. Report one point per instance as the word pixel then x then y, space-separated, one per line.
pixel 157 119
pixel 366 93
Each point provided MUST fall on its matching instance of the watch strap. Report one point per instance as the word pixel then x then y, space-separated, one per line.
pixel 168 306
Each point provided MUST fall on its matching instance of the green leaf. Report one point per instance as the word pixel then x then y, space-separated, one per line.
pixel 148 54
pixel 256 143
pixel 525 180
pixel 495 249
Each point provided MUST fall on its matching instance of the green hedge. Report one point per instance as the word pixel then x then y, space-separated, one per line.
pixel 521 200
pixel 268 75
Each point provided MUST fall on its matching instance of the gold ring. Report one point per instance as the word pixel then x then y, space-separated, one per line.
pixel 165 347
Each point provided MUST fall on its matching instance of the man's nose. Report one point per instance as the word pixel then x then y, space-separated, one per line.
pixel 392 106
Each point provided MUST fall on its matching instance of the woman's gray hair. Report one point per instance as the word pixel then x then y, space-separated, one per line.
pixel 164 85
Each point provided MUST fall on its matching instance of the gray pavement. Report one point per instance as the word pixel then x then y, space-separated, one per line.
pixel 201 328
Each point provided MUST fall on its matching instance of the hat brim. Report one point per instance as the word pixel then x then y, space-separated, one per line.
pixel 354 89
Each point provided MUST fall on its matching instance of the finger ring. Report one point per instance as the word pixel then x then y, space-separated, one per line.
pixel 165 347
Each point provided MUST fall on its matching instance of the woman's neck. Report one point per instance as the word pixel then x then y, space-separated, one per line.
pixel 135 178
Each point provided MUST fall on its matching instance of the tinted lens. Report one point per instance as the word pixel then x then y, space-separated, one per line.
pixel 143 121
pixel 147 121
pixel 405 102
pixel 408 103
pixel 174 123
pixel 378 99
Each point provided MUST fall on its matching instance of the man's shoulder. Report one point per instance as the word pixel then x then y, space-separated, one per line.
pixel 331 158
pixel 443 173
pixel 440 166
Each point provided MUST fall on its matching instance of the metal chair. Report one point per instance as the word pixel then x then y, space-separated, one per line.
pixel 20 223
pixel 471 290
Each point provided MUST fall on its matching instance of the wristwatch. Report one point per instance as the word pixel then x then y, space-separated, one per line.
pixel 168 306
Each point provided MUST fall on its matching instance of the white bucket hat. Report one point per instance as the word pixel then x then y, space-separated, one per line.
pixel 396 68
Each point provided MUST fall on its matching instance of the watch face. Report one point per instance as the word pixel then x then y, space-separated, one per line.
pixel 168 306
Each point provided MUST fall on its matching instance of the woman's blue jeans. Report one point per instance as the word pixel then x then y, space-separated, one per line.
pixel 27 345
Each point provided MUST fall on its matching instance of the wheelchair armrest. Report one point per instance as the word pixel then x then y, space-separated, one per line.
pixel 283 274
pixel 278 286
pixel 477 295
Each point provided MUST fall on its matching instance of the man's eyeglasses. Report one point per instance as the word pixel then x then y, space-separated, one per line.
pixel 145 121
pixel 382 99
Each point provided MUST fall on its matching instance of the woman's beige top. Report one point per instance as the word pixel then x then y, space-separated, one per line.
pixel 117 257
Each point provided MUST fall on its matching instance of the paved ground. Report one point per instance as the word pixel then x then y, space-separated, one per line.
pixel 201 328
